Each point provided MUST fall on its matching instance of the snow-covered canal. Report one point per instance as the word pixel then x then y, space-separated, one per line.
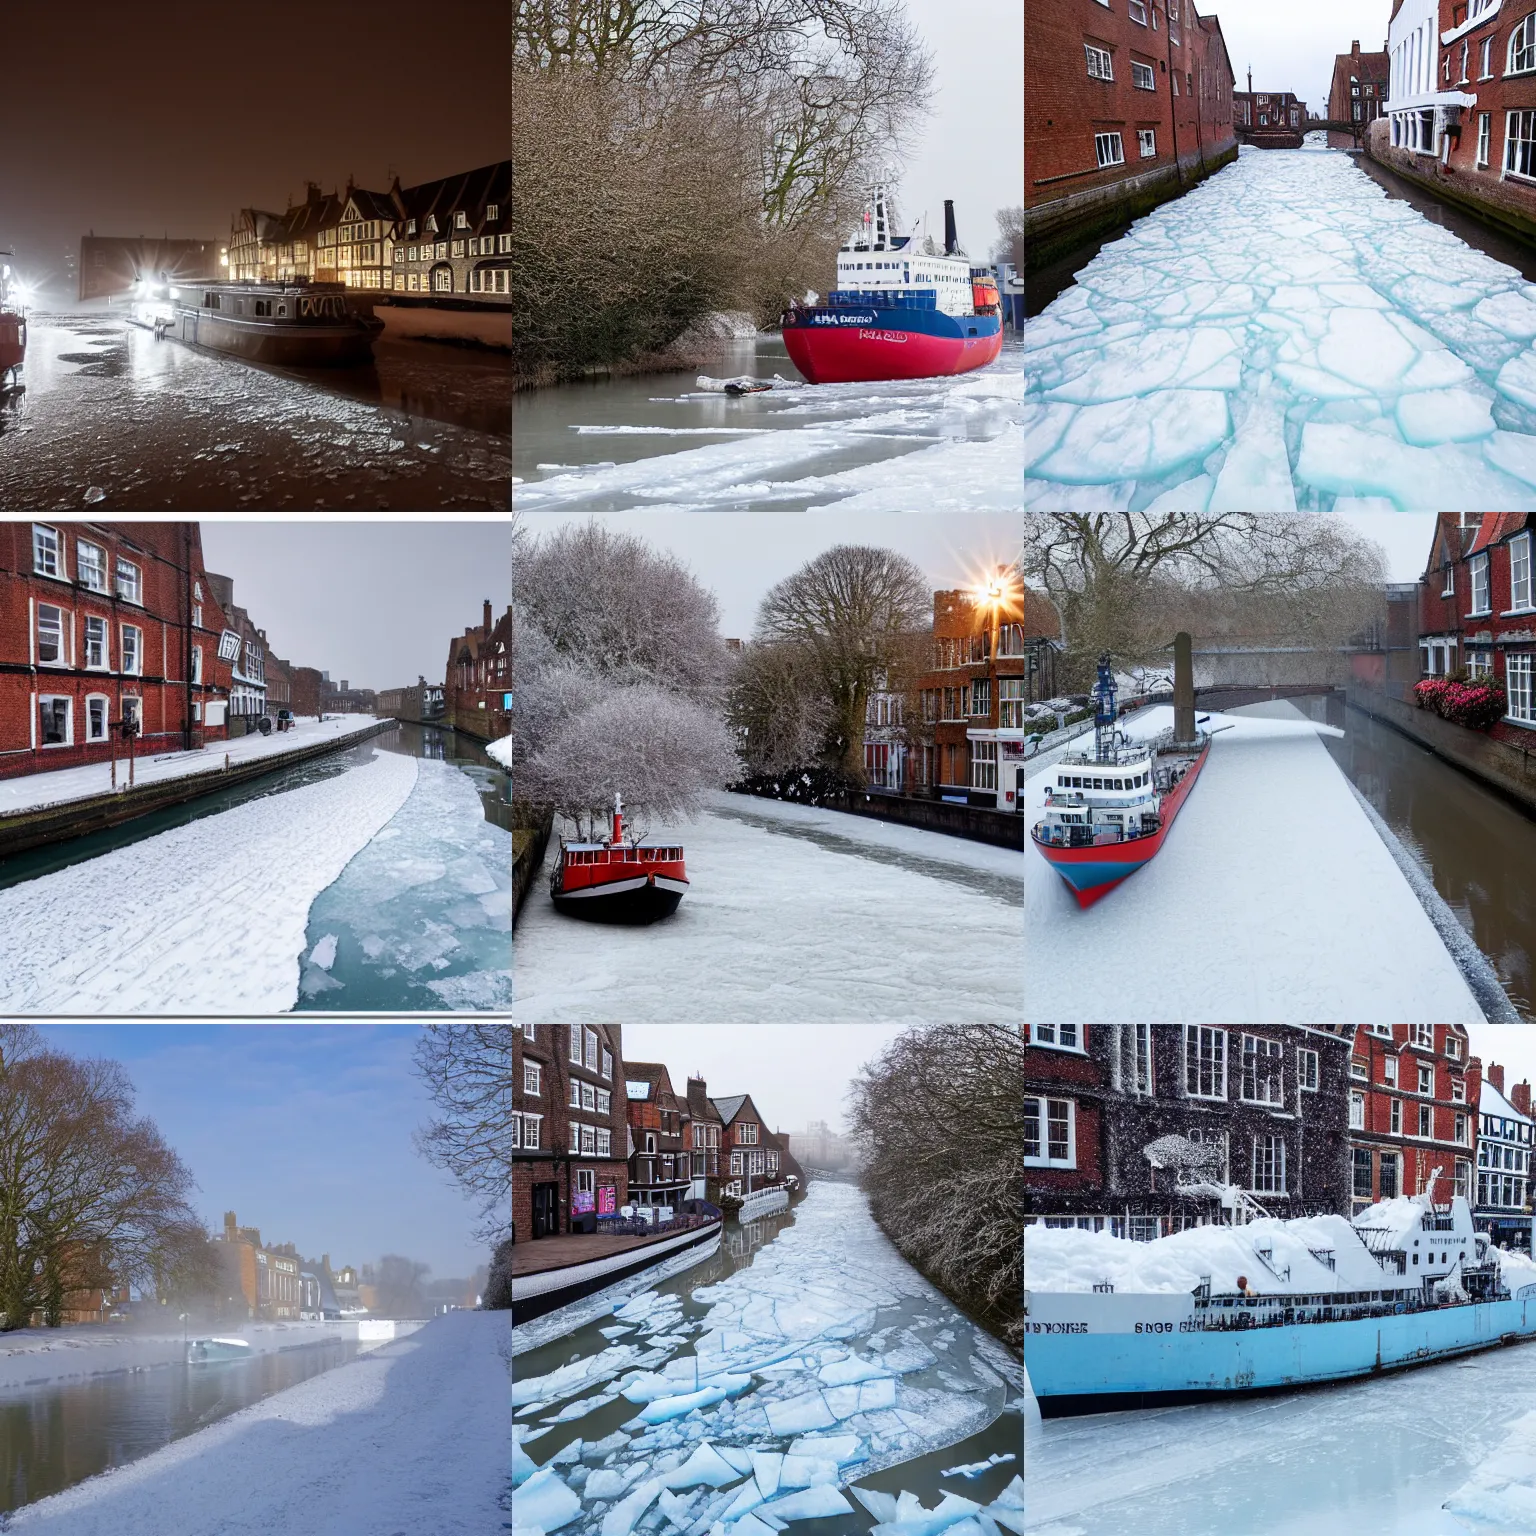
pixel 793 914
pixel 1382 1457
pixel 662 442
pixel 755 1388
pixel 1285 336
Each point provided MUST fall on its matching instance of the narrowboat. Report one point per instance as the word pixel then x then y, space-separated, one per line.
pixel 1108 812
pixel 216 1351
pixel 618 881
pixel 1270 1304
pixel 902 308
pixel 295 325
pixel 13 323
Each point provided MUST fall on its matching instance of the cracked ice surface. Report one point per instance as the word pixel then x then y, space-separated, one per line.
pixel 206 918
pixel 422 917
pixel 757 1399
pixel 1285 337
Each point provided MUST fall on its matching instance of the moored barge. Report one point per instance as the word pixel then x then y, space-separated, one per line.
pixel 296 325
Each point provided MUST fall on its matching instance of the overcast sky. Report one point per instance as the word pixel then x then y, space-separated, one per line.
pixel 1405 536
pixel 1292 47
pixel 373 602
pixel 972 148
pixel 303 1130
pixel 795 1073
pixel 739 555
pixel 1513 1046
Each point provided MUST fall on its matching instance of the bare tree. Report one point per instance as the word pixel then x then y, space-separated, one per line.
pixel 89 1195
pixel 1125 582
pixel 399 1282
pixel 952 1202
pixel 776 707
pixel 1010 237
pixel 853 609
pixel 467 1068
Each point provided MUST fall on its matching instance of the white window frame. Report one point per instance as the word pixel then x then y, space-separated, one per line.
pixel 100 572
pixel 1395 1118
pixel 1484 137
pixel 1520 574
pixel 133 709
pixel 607 1072
pixel 1146 143
pixel 588 1099
pixel 62 630
pixel 132 654
pixel 1426 1112
pixel 105 663
pixel 1394 1160
pixel 1517 688
pixel 1143 1069
pixel 1485 60
pixel 129 584
pixel 591 1059
pixel 1273 1165
pixel 533 1077
pixel 1109 148
pixel 106 717
pixel 1257 1049
pixel 1448 579
pixel 68 702
pixel 48 560
pixel 1389 1070
pixel 1478 567
pixel 1425 1069
pixel 1520 55
pixel 1138 70
pixel 1356 1110
pixel 1307 1074
pixel 604 1142
pixel 1137 11
pixel 1101 62
pixel 1042 1115
pixel 1198 1036
pixel 532 1141
pixel 575 1045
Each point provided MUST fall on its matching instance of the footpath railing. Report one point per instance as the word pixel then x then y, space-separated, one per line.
pixel 762 1202
pixel 639 1226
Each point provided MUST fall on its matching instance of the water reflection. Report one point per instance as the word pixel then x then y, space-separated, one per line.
pixel 1477 846
pixel 55 1436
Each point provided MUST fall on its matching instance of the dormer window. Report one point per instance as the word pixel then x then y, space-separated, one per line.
pixel 461 221
pixel 492 212
pixel 432 222
pixel 410 226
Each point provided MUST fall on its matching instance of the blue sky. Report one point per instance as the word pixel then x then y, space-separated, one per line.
pixel 303 1130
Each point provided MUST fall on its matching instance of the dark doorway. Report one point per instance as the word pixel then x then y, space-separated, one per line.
pixel 546 1210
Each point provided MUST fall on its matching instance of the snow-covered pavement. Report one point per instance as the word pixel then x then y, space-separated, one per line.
pixel 757 1399
pixel 409 1440
pixel 793 914
pixel 1381 1457
pixel 922 445
pixel 1285 336
pixel 33 791
pixel 206 918
pixel 1273 899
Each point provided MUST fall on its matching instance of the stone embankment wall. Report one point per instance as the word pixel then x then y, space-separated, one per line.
pixel 1508 204
pixel 1506 766
pixel 528 846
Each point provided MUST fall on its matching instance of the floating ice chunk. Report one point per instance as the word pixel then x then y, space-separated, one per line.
pixel 1512 313
pixel 1257 469
pixel 1517 378
pixel 843 1449
pixel 324 953
pixel 842 1372
pixel 665 1408
pixel 1365 347
pixel 913 1520
pixel 881 1505
pixel 569 1452
pixel 738 1457
pixel 795 1415
pixel 620 1520
pixel 639 1306
pixel 614 1333
pixel 819 1503
pixel 766 1466
pixel 706 1465
pixel 877 1394
pixel 1160 358
pixel 807 1471
pixel 1135 439
pixel 750 1525
pixel 523 1465
pixel 1349 461
pixel 545 1501
pixel 1444 416
pixel 976 1468
pixel 605 1483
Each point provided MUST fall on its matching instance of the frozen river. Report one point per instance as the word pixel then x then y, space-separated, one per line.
pixel 1283 337
pixel 659 441
pixel 793 914
pixel 1371 1458
pixel 114 419
pixel 805 1358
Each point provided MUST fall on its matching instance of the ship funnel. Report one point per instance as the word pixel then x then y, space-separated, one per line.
pixel 1183 689
pixel 951 239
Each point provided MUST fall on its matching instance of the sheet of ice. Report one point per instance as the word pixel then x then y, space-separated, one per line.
pixel 976 1468
pixel 545 1501
pixel 816 1503
pixel 852 896
pixel 501 751
pixel 1366 336
pixel 410 1438
pixel 1499 1498
pixel 425 910
pixel 209 917
pixel 32 791
pixel 1310 908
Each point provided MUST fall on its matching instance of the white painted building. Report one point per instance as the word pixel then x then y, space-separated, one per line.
pixel 1422 100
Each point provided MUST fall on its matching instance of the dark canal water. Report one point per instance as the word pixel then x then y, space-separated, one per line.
pixel 53 1437
pixel 1477 846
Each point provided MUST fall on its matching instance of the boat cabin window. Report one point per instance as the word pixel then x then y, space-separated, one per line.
pixel 282 309
pixel 211 301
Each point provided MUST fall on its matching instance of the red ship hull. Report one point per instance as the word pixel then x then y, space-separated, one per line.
pixel 850 346
pixel 13 342
pixel 1092 872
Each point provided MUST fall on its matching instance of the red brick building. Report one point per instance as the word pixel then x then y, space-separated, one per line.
pixel 1357 94
pixel 1477 609
pixel 1126 104
pixel 102 623
pixel 1064 1091
pixel 706 1138
pixel 1413 1096
pixel 569 1128
pixel 477 687
pixel 752 1158
pixel 659 1141
pixel 1261 116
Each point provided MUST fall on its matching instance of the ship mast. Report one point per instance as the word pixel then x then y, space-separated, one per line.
pixel 1104 713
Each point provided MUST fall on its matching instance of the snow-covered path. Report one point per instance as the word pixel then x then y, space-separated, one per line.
pixel 1273 900
pixel 1369 1458
pixel 206 918
pixel 826 1358
pixel 410 1440
pixel 1285 336
pixel 928 445
pixel 793 915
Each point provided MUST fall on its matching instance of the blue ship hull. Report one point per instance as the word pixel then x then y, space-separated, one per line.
pixel 1097 1372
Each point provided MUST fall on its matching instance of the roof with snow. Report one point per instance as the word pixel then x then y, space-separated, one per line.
pixel 1491 1102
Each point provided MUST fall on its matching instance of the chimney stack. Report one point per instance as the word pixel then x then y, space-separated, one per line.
pixel 1520 1097
pixel 487 616
pixel 1183 689
pixel 229 1226
pixel 1495 1075
pixel 951 238
pixel 1354 47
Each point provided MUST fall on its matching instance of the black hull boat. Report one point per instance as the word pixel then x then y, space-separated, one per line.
pixel 618 881
pixel 288 325
pixel 642 899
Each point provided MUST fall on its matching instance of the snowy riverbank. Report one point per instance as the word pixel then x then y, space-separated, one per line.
pixel 409 1440
pixel 206 918
pixel 36 1357
pixel 35 791
pixel 1273 898
pixel 793 913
